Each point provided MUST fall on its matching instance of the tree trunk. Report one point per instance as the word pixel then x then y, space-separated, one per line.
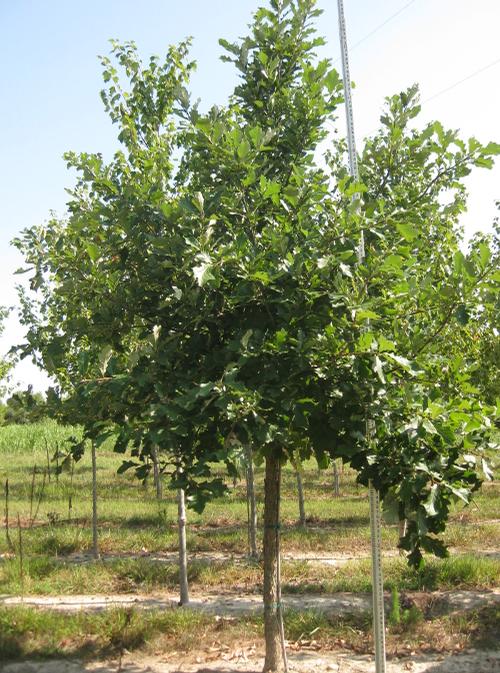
pixel 183 576
pixel 273 616
pixel 157 474
pixel 95 538
pixel 252 507
pixel 300 491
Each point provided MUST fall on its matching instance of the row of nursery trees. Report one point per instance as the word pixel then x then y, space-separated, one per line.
pixel 203 291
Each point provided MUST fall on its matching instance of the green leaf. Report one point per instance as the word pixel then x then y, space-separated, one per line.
pixel 126 465
pixel 199 202
pixel 484 162
pixel 355 188
pixel 203 272
pixel 346 270
pixel 430 503
pixel 246 338
pixel 332 80
pixel 385 345
pixel 104 358
pixel 429 426
pixel 366 314
pixel 392 262
pixel 102 437
pixel 261 276
pixel 244 149
pixel 93 251
pixel 484 254
pixel 461 493
pixel 378 368
pixel 407 231
pixel 403 362
pixel 367 341
pixel 462 315
pixel 492 148
pixel 487 471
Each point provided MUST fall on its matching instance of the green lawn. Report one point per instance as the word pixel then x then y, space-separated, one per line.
pixel 55 516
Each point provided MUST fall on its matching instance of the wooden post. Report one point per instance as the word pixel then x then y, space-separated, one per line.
pixel 7 532
pixel 95 532
pixel 300 491
pixel 157 474
pixel 183 575
pixel 336 480
pixel 251 505
pixel 21 554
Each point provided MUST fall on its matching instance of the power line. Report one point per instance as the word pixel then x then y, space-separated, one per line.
pixel 461 81
pixel 452 86
pixel 379 27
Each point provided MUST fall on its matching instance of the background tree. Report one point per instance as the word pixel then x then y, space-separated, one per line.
pixel 423 291
pixel 5 362
pixel 24 406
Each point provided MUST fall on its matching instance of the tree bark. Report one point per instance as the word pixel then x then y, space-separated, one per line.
pixel 275 659
pixel 300 491
pixel 183 576
pixel 95 534
pixel 252 507
pixel 157 474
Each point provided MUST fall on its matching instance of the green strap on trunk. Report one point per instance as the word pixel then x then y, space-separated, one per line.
pixel 272 606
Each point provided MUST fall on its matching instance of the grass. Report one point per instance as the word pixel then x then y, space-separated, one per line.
pixel 27 633
pixel 47 576
pixel 132 521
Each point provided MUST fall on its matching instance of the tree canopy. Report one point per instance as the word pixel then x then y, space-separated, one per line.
pixel 204 287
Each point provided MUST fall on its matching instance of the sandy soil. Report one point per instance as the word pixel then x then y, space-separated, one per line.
pixel 234 604
pixel 337 559
pixel 248 662
pixel 321 558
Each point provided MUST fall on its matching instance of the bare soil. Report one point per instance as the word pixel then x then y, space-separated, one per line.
pixel 240 661
pixel 320 558
pixel 239 604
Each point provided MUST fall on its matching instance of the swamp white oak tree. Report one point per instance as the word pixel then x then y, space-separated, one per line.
pixel 220 292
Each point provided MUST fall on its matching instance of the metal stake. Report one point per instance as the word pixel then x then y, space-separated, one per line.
pixel 375 522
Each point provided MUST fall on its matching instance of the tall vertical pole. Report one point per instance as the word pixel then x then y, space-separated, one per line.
pixel 95 533
pixel 375 520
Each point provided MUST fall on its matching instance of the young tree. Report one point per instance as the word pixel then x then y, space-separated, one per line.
pixel 223 299
pixel 5 362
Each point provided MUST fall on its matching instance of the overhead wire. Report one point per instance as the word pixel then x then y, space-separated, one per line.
pixel 461 81
pixel 379 27
pixel 442 91
pixel 449 88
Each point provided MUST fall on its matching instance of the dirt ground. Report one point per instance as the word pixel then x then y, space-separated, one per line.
pixel 248 662
pixel 236 604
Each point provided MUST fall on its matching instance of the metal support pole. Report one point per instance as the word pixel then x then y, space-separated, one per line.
pixel 377 581
pixel 375 522
pixel 351 139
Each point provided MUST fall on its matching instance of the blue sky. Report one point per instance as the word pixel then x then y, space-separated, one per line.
pixel 50 84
